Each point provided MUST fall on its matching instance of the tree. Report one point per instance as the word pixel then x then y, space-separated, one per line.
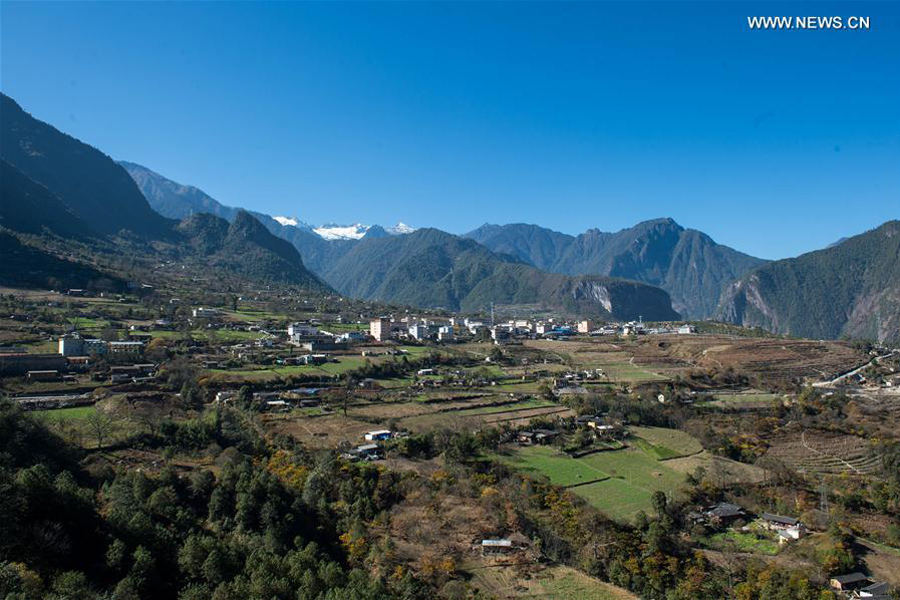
pixel 101 425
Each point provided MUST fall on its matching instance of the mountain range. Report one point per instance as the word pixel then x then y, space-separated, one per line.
pixel 424 267
pixel 704 279
pixel 55 187
pixel 847 289
pixel 686 263
pixel 433 268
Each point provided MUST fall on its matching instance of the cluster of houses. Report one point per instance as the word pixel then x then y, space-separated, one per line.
pixel 284 401
pixel 371 450
pixel 385 328
pixel 602 428
pixel 725 514
pixel 75 353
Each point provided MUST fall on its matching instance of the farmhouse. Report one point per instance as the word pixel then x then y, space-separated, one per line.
pixel 850 581
pixel 545 436
pixel 780 523
pixel 876 591
pixel 724 512
pixel 206 313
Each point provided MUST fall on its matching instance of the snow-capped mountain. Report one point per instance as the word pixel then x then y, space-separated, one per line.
pixel 357 231
pixel 333 231
pixel 400 228
pixel 287 221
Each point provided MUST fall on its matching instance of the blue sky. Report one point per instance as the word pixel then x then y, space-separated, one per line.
pixel 569 115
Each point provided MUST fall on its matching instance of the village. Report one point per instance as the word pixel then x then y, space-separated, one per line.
pixel 590 407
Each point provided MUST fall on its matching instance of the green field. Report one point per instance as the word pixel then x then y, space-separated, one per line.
pixel 634 474
pixel 572 584
pixel 744 542
pixel 667 443
pixel 559 468
pixel 727 399
pixel 346 363
pixel 489 410
pixel 222 335
pixel 625 371
pixel 74 413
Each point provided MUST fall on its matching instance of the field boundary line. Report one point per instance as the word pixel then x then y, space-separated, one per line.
pixel 553 412
pixel 581 483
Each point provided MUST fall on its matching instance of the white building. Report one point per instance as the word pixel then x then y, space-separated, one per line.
pixel 302 330
pixel 445 333
pixel 419 331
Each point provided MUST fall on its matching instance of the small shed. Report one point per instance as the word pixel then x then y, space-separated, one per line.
pixel 496 547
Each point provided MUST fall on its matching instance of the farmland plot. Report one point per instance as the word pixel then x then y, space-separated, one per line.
pixel 822 453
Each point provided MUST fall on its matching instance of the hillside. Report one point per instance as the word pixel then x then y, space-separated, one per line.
pixel 29 207
pixel 245 247
pixel 87 181
pixel 30 267
pixel 686 263
pixel 851 289
pixel 432 268
pixel 174 200
pixel 179 201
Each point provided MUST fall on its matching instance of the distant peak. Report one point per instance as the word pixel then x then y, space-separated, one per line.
pixel 287 221
pixel 400 228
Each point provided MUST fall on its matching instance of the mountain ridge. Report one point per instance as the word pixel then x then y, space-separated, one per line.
pixel 685 262
pixel 849 289
pixel 61 163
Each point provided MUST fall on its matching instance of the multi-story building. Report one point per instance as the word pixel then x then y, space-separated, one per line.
pixel 380 329
pixel 585 326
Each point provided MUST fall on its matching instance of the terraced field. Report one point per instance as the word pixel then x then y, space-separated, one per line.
pixel 559 468
pixel 821 453
pixel 628 477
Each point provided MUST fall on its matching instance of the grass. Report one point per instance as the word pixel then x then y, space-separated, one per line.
pixel 75 413
pixel 634 475
pixel 417 350
pixel 222 335
pixel 659 452
pixel 745 542
pixel 44 347
pixel 489 410
pixel 529 387
pixel 572 584
pixel 670 443
pixel 557 467
pixel 346 363
pixel 617 498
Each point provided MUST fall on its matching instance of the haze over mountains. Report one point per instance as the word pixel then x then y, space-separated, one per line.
pixel 54 185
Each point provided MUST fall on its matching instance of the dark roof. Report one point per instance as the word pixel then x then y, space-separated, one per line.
pixel 724 509
pixel 850 578
pixel 780 519
pixel 876 589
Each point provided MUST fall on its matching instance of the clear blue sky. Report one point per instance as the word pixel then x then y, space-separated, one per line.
pixel 569 115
